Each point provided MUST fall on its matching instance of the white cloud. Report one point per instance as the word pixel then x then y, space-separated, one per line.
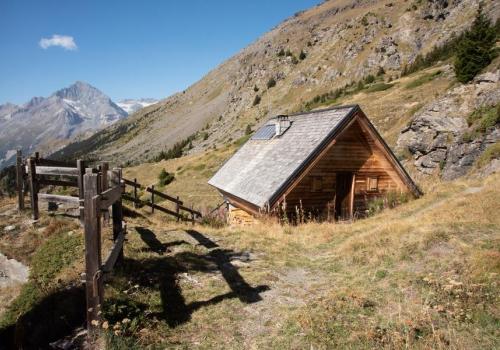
pixel 64 41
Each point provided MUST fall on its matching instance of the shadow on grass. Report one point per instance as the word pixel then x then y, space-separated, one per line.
pixel 161 272
pixel 52 318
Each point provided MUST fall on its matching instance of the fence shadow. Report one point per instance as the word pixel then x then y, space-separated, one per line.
pixel 153 243
pixel 52 318
pixel 162 272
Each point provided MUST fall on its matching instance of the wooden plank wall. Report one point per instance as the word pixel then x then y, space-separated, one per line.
pixel 354 151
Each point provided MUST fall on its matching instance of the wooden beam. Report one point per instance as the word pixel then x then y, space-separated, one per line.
pixel 51 170
pixel 93 280
pixel 58 198
pixel 351 199
pixel 110 196
pixel 114 254
pixel 33 187
pixel 163 195
pixel 80 166
pixel 152 191
pixel 135 192
pixel 117 209
pixel 19 180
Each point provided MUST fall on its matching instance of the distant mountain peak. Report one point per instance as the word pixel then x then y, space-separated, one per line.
pixel 79 90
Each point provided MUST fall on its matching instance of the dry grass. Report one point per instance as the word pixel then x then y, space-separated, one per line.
pixel 423 275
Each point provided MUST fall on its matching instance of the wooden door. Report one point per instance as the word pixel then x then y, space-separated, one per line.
pixel 343 186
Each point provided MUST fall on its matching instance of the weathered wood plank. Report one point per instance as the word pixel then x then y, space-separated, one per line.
pixel 114 253
pixel 110 196
pixel 190 210
pixel 93 280
pixel 58 198
pixel 19 180
pixel 51 170
pixel 80 166
pixel 163 195
pixel 117 209
pixel 33 187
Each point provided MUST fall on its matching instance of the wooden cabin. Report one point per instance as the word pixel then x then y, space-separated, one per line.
pixel 325 164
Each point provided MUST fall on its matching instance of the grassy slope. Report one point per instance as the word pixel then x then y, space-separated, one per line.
pixel 425 275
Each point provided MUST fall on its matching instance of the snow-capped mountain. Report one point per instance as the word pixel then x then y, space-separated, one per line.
pixel 131 105
pixel 47 124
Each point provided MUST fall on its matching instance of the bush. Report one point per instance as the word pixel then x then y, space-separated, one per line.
pixel 165 178
pixel 281 53
pixel 271 83
pixel 248 130
pixel 256 100
pixel 255 88
pixel 205 136
pixel 302 55
pixel 369 79
pixel 295 60
pixel 475 50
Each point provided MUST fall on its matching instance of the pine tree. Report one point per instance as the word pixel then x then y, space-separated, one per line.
pixel 475 50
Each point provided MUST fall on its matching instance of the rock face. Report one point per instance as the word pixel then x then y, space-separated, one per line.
pixel 436 136
pixel 77 109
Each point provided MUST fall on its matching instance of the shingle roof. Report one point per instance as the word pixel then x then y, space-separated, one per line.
pixel 260 168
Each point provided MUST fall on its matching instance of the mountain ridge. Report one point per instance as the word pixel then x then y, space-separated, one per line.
pixel 48 123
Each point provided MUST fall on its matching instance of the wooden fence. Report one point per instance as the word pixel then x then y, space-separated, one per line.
pixel 98 190
pixel 192 216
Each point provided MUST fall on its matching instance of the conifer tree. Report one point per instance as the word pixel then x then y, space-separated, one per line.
pixel 475 50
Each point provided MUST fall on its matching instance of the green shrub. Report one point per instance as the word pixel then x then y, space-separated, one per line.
pixel 302 55
pixel 490 153
pixel 271 83
pixel 248 130
pixel 475 50
pixel 165 178
pixel 281 53
pixel 255 88
pixel 369 79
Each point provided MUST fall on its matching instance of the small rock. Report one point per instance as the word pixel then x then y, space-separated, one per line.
pixel 9 228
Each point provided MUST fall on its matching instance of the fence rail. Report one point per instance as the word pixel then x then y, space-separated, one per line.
pixel 98 190
pixel 179 205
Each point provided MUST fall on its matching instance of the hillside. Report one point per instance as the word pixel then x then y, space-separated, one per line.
pixel 342 42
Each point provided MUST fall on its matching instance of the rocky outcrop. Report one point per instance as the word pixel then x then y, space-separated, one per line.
pixel 435 136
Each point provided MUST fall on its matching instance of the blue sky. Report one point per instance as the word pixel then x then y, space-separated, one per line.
pixel 127 49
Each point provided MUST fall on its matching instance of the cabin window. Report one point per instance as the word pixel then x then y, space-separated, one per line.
pixel 372 184
pixel 317 184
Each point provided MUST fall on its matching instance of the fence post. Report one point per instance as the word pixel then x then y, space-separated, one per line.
pixel 104 185
pixel 33 187
pixel 93 274
pixel 135 192
pixel 117 210
pixel 177 209
pixel 192 215
pixel 19 180
pixel 80 165
pixel 152 199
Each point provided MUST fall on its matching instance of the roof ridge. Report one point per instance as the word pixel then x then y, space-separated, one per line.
pixel 325 109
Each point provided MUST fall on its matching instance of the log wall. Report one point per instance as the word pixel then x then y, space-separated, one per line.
pixel 354 151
